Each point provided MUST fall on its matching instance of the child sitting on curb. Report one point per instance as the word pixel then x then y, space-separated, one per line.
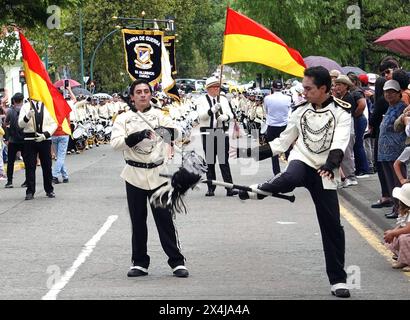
pixel 398 239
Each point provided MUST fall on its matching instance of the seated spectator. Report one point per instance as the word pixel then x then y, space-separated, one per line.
pixel 398 239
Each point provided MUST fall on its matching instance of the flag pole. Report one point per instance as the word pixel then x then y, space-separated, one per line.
pixel 223 52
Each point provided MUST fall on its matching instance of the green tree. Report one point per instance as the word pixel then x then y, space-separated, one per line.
pixel 199 26
pixel 321 28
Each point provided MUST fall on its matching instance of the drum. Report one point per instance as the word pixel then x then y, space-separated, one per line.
pixel 99 128
pixel 78 132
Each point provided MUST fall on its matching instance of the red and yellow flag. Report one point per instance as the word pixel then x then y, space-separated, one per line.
pixel 247 41
pixel 40 87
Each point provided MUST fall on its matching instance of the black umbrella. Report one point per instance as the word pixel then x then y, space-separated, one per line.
pixel 78 91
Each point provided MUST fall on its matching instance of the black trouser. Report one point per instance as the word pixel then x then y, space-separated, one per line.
pixel 380 174
pixel 137 205
pixel 216 143
pixel 391 179
pixel 43 150
pixel 271 134
pixel 71 141
pixel 13 148
pixel 298 174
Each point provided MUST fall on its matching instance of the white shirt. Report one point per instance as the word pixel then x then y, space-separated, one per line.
pixel 203 107
pixel 49 124
pixel 277 109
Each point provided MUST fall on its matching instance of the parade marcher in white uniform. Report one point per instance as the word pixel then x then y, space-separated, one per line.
pixel 321 128
pixel 144 153
pixel 277 106
pixel 215 114
pixel 38 126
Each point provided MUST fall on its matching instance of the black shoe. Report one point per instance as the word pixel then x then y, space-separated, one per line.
pixel 55 180
pixel 29 196
pixel 134 272
pixel 231 193
pixel 65 180
pixel 392 215
pixel 340 290
pixel 210 193
pixel 243 195
pixel 341 293
pixel 24 185
pixel 51 194
pixel 8 185
pixel 181 272
pixel 382 204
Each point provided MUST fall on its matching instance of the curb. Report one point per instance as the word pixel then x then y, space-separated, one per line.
pixel 363 208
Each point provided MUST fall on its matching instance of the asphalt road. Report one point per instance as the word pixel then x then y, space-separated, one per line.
pixel 235 250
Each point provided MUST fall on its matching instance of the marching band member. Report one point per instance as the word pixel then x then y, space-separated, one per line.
pixel 321 128
pixel 38 126
pixel 145 158
pixel 215 114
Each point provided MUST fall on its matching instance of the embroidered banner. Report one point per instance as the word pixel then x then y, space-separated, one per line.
pixel 143 51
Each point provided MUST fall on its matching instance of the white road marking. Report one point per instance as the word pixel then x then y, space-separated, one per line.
pixel 285 222
pixel 88 249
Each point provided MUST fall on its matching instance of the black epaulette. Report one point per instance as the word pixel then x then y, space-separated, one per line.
pixel 300 104
pixel 343 104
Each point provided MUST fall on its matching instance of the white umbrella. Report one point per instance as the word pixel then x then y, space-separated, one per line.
pixel 102 96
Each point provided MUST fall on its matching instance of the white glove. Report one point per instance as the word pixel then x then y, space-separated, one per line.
pixel 30 114
pixel 216 108
pixel 40 137
pixel 222 118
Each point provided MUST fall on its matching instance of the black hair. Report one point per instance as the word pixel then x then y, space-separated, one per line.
pixel 17 98
pixel 321 77
pixel 402 78
pixel 136 83
pixel 388 64
pixel 354 78
pixel 378 91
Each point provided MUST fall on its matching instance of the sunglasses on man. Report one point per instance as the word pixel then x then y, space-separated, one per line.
pixel 387 72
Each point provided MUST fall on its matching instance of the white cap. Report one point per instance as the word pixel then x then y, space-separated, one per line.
pixel 403 194
pixel 392 85
pixel 372 78
pixel 212 81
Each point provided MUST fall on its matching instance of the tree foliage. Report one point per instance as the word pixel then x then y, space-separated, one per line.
pixel 313 27
pixel 322 28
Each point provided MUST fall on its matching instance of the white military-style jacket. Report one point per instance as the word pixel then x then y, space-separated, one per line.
pixel 80 111
pixel 147 151
pixel 204 106
pixel 316 132
pixel 48 125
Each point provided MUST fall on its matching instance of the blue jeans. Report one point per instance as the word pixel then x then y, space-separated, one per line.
pixel 60 144
pixel 362 165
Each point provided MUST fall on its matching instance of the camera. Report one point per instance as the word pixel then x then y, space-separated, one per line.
pixel 66 83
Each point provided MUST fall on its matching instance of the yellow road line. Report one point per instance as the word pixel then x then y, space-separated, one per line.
pixel 372 238
pixel 17 166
